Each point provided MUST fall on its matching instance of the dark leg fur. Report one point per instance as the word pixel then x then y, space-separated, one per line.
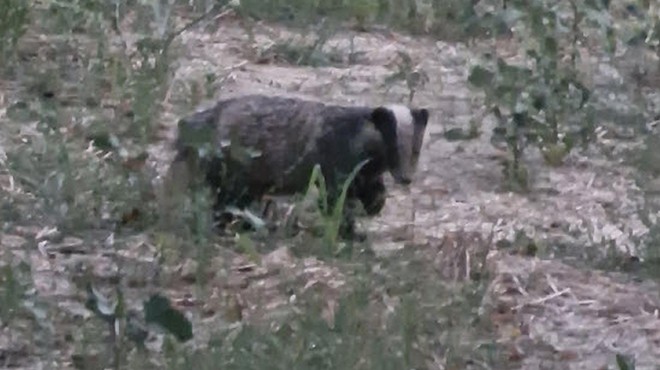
pixel 372 193
pixel 229 191
pixel 347 228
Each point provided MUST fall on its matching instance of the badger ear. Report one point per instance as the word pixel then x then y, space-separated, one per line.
pixel 385 122
pixel 420 116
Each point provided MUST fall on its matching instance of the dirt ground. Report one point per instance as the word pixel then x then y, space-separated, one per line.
pixel 550 313
pixel 553 315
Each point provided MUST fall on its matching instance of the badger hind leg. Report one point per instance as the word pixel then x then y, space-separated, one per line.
pixel 231 188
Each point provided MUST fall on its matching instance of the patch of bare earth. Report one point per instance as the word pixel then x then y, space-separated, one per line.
pixel 549 313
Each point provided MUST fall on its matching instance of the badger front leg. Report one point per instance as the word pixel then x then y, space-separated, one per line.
pixel 367 189
pixel 347 229
pixel 371 192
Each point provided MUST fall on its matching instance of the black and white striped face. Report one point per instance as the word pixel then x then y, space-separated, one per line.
pixel 410 129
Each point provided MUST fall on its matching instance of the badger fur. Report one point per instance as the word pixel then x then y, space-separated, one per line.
pixel 289 136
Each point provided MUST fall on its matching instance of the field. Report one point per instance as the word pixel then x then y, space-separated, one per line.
pixel 528 239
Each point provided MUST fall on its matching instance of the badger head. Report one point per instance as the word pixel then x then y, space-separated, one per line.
pixel 402 129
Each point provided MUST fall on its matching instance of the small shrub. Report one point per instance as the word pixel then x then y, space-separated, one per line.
pixel 78 189
pixel 542 102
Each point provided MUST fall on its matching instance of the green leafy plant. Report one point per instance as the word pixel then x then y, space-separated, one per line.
pixel 14 20
pixel 78 188
pixel 12 290
pixel 126 325
pixel 414 77
pixel 332 214
pixel 541 101
pixel 624 362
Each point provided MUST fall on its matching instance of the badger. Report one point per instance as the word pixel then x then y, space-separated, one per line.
pixel 286 137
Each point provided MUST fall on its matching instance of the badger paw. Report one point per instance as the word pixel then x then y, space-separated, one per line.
pixel 349 232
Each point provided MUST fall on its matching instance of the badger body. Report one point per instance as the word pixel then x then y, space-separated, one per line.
pixel 289 136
